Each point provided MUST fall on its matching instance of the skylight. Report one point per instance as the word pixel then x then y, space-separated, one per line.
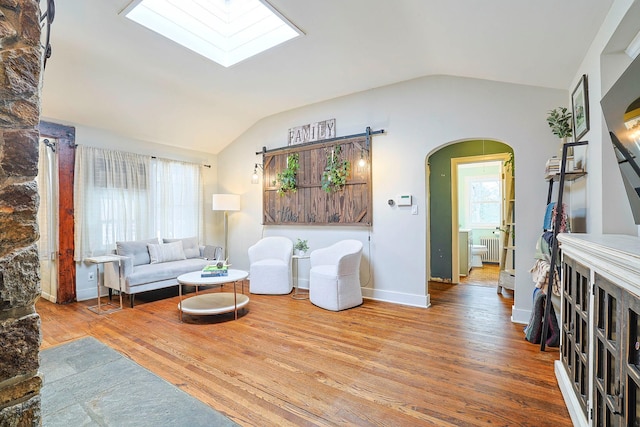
pixel 225 31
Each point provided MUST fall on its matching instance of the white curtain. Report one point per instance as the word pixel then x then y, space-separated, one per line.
pixel 111 200
pixel 47 180
pixel 176 199
pixel 124 196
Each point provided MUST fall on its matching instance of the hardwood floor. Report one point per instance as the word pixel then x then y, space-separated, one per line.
pixel 285 362
pixel 487 275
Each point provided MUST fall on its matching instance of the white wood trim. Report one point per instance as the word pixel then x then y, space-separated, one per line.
pixel 570 399
pixel 422 301
pixel 616 258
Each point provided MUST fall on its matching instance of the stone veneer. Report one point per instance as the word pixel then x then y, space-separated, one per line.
pixel 20 64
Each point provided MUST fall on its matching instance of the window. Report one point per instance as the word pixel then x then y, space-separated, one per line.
pixel 484 202
pixel 176 198
pixel 123 196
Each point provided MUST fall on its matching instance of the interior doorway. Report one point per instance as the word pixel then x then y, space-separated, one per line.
pixel 478 200
pixel 48 217
pixel 481 185
pixel 64 264
pixel 443 223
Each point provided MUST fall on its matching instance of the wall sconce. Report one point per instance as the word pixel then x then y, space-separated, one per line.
pixel 255 178
pixel 362 162
pixel 46 19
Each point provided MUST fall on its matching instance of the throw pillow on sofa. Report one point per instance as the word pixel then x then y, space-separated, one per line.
pixel 189 245
pixel 166 252
pixel 135 249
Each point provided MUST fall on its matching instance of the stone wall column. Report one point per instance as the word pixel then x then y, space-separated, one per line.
pixel 20 336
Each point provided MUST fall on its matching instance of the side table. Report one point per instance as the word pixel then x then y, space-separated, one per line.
pixel 104 259
pixel 296 263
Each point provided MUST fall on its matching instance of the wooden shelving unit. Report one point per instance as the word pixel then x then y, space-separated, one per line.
pixel 507 275
pixel 560 178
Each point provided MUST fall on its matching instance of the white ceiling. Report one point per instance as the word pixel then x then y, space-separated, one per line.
pixel 108 72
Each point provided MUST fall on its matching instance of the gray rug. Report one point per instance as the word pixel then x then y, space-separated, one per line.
pixel 86 383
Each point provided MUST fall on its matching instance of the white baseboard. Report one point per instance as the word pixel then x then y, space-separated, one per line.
pixel 520 316
pixel 90 293
pixel 570 399
pixel 48 297
pixel 422 301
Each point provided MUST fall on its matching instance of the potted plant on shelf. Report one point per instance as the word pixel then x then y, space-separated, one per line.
pixel 335 174
pixel 559 120
pixel 286 180
pixel 301 247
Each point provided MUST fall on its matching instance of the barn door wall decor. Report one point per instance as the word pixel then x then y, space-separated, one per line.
pixel 309 203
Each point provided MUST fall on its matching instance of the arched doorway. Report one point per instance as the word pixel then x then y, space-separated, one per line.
pixel 442 230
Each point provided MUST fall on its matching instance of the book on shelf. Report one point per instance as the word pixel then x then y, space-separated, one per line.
pixel 552 167
pixel 215 270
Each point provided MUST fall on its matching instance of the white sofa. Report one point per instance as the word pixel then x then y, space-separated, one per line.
pixel 148 264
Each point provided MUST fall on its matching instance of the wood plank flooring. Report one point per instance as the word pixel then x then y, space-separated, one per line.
pixel 487 275
pixel 285 362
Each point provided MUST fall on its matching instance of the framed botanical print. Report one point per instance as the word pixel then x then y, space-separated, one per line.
pixel 580 108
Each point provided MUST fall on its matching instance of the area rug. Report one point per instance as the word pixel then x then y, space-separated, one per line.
pixel 87 383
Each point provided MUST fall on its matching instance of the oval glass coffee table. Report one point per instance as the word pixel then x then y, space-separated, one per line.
pixel 213 303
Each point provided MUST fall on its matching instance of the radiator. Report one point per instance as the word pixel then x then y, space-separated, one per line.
pixel 493 249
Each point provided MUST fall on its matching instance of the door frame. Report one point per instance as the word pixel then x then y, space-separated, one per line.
pixel 455 242
pixel 65 149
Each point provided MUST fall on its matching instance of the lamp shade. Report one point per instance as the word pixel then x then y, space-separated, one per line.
pixel 226 202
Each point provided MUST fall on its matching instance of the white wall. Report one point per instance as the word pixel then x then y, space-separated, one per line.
pixel 418 117
pixel 606 204
pixel 93 137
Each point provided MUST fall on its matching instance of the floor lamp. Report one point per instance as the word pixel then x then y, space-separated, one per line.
pixel 226 203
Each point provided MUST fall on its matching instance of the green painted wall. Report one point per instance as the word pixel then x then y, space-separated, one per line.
pixel 440 198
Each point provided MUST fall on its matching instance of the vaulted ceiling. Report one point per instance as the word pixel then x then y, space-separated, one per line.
pixel 110 73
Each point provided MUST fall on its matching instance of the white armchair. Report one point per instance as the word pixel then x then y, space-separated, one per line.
pixel 270 266
pixel 334 278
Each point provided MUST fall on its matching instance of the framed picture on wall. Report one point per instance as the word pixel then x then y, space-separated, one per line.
pixel 580 108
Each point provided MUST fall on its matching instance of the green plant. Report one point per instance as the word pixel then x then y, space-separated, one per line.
pixel 286 180
pixel 301 245
pixel 508 165
pixel 335 174
pixel 559 120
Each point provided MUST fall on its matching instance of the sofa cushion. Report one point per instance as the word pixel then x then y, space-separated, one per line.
pixel 166 252
pixel 136 250
pixel 190 246
pixel 167 270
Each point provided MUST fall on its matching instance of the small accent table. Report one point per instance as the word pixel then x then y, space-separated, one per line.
pixel 216 303
pixel 105 259
pixel 296 261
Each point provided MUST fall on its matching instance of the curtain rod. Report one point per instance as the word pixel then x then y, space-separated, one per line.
pixel 139 154
pixel 181 161
pixel 366 134
pixel 49 144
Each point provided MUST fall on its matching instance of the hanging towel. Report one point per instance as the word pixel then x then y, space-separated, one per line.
pixel 547 217
pixel 533 331
pixel 540 275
